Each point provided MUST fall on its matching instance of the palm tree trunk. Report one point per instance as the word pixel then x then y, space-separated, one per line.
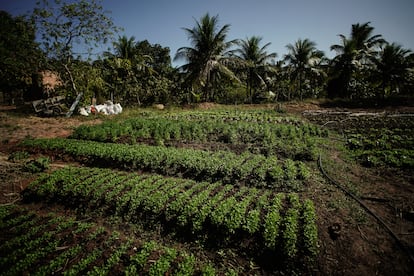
pixel 250 86
pixel 300 87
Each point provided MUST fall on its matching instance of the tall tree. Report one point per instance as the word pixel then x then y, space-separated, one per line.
pixel 138 72
pixel 161 59
pixel 354 54
pixel 20 56
pixel 208 56
pixel 70 28
pixel 392 68
pixel 256 61
pixel 362 37
pixel 302 57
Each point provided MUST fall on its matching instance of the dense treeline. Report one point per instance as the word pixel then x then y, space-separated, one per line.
pixel 214 68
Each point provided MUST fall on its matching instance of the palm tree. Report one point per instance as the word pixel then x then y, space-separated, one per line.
pixel 362 37
pixel 354 54
pixel 343 66
pixel 208 56
pixel 392 67
pixel 302 57
pixel 255 59
pixel 125 47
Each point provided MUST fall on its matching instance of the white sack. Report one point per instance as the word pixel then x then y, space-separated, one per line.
pixel 83 111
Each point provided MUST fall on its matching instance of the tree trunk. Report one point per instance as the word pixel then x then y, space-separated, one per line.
pixel 71 78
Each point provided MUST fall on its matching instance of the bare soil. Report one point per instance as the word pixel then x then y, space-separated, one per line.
pixel 351 241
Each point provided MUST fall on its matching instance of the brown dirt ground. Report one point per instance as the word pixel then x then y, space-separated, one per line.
pixel 14 127
pixel 362 246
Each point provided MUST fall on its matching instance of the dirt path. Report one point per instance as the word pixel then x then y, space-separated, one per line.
pixel 16 127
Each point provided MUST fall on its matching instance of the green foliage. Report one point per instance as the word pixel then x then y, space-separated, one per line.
pixel 252 223
pixel 255 60
pixel 272 221
pixel 138 72
pixel 393 69
pixel 200 216
pixel 186 266
pixel 18 155
pixel 206 61
pixel 196 164
pixel 20 56
pixel 208 270
pixel 253 216
pixel 161 266
pixel 59 261
pixel 291 225
pixel 215 195
pixel 38 165
pixel 141 258
pixel 114 259
pixel 382 147
pixel 83 263
pixel 349 75
pixel 219 214
pixel 193 209
pixel 303 58
pixel 191 204
pixel 236 217
pixel 88 79
pixel 310 231
pixel 65 26
pixel 292 141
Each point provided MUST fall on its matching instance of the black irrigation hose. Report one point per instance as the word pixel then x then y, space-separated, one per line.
pixel 354 197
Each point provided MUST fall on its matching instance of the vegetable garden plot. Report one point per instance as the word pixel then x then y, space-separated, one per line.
pixel 381 147
pixel 45 245
pixel 281 222
pixel 382 140
pixel 375 141
pixel 290 140
pixel 248 169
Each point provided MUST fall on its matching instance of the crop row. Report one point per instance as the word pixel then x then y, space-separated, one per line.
pixel 253 116
pixel 276 219
pixel 230 168
pixel 46 245
pixel 266 138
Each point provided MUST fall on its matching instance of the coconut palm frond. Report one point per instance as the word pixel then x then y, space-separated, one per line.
pixel 209 52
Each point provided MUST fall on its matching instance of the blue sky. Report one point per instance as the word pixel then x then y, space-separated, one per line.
pixel 278 21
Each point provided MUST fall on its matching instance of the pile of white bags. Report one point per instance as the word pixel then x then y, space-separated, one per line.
pixel 108 109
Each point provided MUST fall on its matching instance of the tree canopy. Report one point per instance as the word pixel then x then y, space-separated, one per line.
pixel 136 72
pixel 302 57
pixel 256 60
pixel 208 56
pixel 70 30
pixel 353 57
pixel 20 56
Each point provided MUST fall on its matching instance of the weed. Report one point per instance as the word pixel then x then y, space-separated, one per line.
pixel 18 155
